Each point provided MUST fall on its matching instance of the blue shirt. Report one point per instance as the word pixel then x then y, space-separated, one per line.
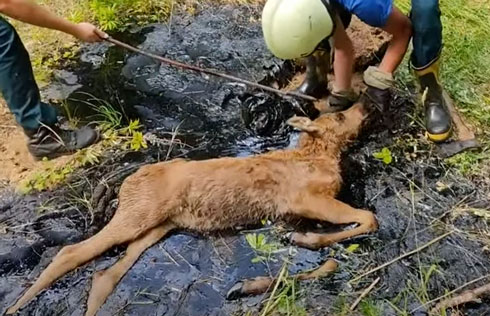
pixel 372 12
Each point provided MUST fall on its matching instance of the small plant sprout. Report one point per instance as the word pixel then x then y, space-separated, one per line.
pixel 263 248
pixel 384 155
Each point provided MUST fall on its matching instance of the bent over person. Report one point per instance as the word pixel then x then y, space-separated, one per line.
pixel 19 88
pixel 311 28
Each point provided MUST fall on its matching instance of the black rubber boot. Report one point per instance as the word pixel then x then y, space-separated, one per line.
pixel 438 122
pixel 52 142
pixel 317 67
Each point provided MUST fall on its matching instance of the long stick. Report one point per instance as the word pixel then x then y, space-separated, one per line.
pixel 208 71
pixel 433 241
pixel 363 294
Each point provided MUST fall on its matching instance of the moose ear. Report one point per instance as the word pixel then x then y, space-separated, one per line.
pixel 304 124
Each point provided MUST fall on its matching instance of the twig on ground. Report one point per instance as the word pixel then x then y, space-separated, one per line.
pixel 364 293
pixel 168 255
pixel 465 297
pixel 170 147
pixel 451 292
pixel 384 265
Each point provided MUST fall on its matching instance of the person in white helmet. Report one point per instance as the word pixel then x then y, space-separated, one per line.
pixel 309 29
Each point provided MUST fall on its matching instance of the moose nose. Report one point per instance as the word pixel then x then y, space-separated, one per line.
pixel 359 108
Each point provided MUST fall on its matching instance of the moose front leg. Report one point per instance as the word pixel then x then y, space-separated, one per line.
pixel 331 210
pixel 261 285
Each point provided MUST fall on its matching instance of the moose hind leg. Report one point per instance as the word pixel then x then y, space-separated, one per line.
pixel 105 281
pixel 73 256
pixel 335 212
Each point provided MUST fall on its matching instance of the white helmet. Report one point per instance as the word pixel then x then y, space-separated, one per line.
pixel 294 28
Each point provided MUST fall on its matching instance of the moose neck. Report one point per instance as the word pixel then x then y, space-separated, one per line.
pixel 313 146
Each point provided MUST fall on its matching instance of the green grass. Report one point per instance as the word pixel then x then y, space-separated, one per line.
pixel 118 15
pixel 47 47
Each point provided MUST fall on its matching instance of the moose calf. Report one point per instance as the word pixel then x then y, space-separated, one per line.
pixel 222 193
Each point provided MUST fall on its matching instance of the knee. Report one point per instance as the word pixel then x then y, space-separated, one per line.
pixel 370 221
pixel 66 251
pixel 424 10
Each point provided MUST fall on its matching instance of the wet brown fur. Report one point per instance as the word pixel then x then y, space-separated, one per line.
pixel 222 193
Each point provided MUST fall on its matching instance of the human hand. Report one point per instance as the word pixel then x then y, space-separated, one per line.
pixel 89 33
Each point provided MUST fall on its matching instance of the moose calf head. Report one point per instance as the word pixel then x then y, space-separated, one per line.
pixel 339 127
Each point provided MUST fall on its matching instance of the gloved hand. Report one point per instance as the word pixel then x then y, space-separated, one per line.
pixel 340 100
pixel 378 92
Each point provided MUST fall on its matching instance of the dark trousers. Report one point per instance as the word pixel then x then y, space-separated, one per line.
pixel 427 32
pixel 17 83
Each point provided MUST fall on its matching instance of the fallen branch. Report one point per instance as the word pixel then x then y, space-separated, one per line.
pixel 465 297
pixel 450 292
pixel 363 294
pixel 433 241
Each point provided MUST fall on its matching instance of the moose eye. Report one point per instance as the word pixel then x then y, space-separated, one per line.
pixel 340 117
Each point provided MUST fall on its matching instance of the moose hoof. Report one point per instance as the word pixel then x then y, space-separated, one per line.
pixel 235 292
pixel 286 238
pixel 308 240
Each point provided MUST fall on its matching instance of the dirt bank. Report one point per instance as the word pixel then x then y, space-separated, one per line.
pixel 414 197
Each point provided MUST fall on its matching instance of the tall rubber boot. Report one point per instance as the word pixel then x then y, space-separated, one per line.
pixel 316 81
pixel 438 122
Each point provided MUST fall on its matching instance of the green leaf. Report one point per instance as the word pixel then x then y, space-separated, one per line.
pixel 384 155
pixel 352 248
pixel 256 259
pixel 387 159
pixel 261 240
pixel 252 240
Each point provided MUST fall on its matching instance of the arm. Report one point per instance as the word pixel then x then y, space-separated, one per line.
pixel 32 13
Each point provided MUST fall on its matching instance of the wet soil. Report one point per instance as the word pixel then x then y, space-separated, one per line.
pixel 415 198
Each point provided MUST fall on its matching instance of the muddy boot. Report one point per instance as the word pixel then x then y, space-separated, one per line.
pixel 52 142
pixel 316 82
pixel 438 120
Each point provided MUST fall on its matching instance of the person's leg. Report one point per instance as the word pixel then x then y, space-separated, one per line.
pixel 343 65
pixel 342 95
pixel 38 119
pixel 427 32
pixel 17 83
pixel 425 59
pixel 317 68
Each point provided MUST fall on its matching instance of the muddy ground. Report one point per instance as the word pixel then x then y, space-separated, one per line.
pixel 415 198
